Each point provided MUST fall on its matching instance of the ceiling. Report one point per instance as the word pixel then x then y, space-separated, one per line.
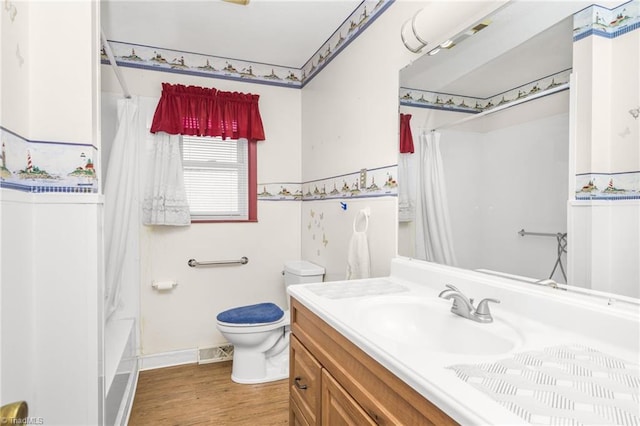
pixel 278 32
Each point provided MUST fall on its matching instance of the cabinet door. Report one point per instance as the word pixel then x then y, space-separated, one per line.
pixel 338 407
pixel 295 415
pixel 304 382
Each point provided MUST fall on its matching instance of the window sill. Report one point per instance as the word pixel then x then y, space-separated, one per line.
pixel 224 221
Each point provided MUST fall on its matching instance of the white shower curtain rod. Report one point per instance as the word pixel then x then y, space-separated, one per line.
pixel 114 65
pixel 541 94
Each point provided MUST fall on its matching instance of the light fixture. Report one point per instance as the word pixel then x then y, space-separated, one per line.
pixel 478 27
pixel 433 51
pixel 410 38
pixel 240 2
pixel 433 21
pixel 447 44
pixel 635 112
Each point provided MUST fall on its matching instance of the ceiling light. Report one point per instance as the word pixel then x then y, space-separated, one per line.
pixel 433 51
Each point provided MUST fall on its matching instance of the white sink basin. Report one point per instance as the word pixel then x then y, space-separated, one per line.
pixel 428 323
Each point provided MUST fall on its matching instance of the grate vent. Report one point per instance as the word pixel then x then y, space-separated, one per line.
pixel 218 353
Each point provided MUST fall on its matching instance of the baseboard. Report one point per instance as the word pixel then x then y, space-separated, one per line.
pixel 168 359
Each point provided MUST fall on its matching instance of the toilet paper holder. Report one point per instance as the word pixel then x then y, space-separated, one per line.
pixel 164 285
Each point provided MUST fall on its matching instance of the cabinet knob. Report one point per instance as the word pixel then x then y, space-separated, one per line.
pixel 300 386
pixel 373 416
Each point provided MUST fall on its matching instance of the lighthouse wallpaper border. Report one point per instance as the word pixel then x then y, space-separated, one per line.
pixel 42 166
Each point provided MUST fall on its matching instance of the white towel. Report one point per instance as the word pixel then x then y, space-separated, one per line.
pixel 358 259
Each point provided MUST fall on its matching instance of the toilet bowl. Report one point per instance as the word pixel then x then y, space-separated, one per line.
pixel 259 333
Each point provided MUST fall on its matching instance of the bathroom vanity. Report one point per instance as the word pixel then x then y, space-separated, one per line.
pixel 390 351
pixel 334 380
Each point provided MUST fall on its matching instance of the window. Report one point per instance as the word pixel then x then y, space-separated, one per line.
pixel 218 177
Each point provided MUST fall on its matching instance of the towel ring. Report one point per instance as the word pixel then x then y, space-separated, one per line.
pixel 366 220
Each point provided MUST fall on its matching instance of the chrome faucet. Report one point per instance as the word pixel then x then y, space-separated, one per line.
pixel 463 306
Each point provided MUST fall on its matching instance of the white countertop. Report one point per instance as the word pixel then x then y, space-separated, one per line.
pixel 427 371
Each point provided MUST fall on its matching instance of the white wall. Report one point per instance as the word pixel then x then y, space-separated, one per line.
pixel 185 318
pixel 50 242
pixel 607 140
pixel 67 316
pixel 350 122
pixel 18 342
pixel 17 337
pixel 327 229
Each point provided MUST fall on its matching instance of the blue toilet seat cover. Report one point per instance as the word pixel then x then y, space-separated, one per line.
pixel 252 314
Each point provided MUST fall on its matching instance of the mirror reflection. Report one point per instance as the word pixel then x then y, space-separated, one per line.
pixel 495 174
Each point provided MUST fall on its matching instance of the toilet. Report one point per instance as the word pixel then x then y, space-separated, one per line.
pixel 259 333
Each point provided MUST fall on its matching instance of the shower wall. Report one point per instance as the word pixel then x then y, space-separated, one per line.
pixel 509 179
pixel 504 172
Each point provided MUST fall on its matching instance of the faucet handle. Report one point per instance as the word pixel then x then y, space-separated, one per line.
pixel 483 306
pixel 452 287
pixel 448 290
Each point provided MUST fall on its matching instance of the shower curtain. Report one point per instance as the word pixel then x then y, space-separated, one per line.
pixel 121 200
pixel 134 149
pixel 434 242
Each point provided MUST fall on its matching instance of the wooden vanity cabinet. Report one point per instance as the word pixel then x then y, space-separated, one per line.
pixel 333 382
pixel 304 384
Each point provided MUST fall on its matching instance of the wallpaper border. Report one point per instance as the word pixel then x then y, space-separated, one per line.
pixel 46 166
pixel 175 61
pixel 364 183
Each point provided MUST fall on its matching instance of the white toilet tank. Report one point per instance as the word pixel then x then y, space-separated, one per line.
pixel 302 272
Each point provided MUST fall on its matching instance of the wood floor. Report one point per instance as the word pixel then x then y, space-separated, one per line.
pixel 205 395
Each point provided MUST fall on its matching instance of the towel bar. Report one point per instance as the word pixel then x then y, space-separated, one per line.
pixel 522 233
pixel 242 261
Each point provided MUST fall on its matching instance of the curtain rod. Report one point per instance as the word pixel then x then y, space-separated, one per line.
pixel 541 94
pixel 114 65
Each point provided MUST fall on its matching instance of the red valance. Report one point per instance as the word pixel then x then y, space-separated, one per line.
pixel 406 138
pixel 199 111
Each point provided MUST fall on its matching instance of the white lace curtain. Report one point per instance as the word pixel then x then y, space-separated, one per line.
pixel 433 229
pixel 165 198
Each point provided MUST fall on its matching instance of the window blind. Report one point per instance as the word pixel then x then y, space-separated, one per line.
pixel 216 177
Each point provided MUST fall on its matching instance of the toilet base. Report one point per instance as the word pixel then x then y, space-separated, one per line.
pixel 276 368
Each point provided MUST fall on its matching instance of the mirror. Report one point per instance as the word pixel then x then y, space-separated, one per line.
pixel 498 98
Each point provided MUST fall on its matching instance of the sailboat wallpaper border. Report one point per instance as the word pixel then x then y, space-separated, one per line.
pixel 158 58
pixel 365 183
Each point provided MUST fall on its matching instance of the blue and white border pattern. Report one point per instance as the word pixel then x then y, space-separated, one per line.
pixel 469 104
pixel 609 23
pixel 608 186
pixel 168 60
pixel 365 183
pixel 43 166
pixel 158 59
pixel 358 21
